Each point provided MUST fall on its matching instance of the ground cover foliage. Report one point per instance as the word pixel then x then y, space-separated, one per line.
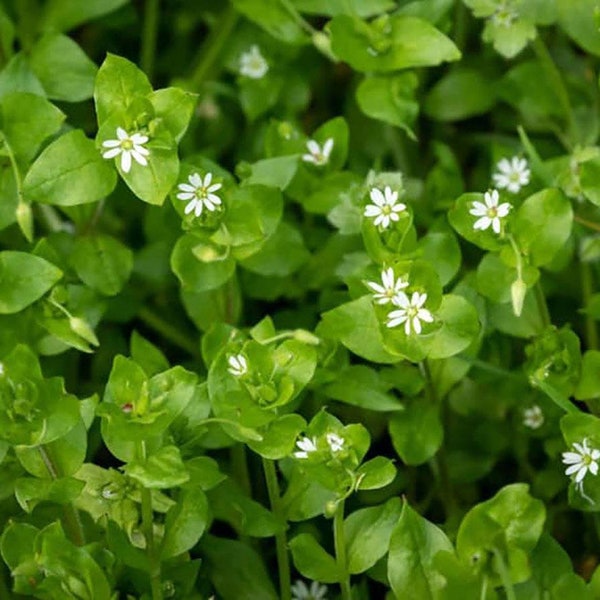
pixel 298 299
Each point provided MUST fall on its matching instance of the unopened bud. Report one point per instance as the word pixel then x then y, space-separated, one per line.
pixel 25 220
pixel 322 43
pixel 306 337
pixel 517 292
pixel 330 509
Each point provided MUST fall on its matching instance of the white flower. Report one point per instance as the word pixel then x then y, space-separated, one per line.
pixel 316 591
pixel 253 63
pixel 505 15
pixel 385 293
pixel 127 146
pixel 317 155
pixel 385 207
pixel 336 442
pixel 411 312
pixel 533 417
pixel 489 213
pixel 238 365
pixel 306 446
pixel 581 459
pixel 199 193
pixel 512 174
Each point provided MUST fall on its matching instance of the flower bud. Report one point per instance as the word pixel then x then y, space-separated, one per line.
pixel 82 329
pixel 330 509
pixel 25 220
pixel 322 43
pixel 517 292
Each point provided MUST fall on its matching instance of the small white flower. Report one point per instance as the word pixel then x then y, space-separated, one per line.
pixel 238 365
pixel 317 155
pixel 306 445
pixel 533 417
pixel 505 15
pixel 336 442
pixel 316 591
pixel 385 207
pixel 512 174
pixel 581 459
pixel 489 213
pixel 411 312
pixel 253 64
pixel 127 146
pixel 199 193
pixel 385 293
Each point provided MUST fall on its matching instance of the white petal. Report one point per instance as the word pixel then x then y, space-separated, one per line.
pixel 570 458
pixel 379 220
pixel 309 158
pixel 139 158
pixel 387 277
pixel 214 199
pixel 327 147
pixel 425 315
pixel 207 180
pixel 112 153
pixel 390 196
pixel 593 468
pixel 394 321
pixel 573 469
pixel 503 209
pixel 496 224
pixel 377 197
pixel 195 180
pixel 491 198
pixel 393 216
pixel 372 211
pixel 122 134
pixel 138 138
pixel 399 207
pixel 214 187
pixel 479 209
pixel 190 207
pixel 125 161
pixel 141 150
pixel 385 221
pixel 313 147
pixel 186 196
pixel 401 299
pixel 482 223
pixel 184 187
pixel 199 207
pixel 504 166
pixel 111 143
pixel 416 325
pixel 581 474
pixel 407 327
pixel 376 287
pixel 209 205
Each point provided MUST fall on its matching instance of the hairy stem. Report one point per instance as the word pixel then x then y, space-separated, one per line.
pixel 339 541
pixel 283 561
pixel 211 49
pixel 71 519
pixel 148 530
pixel 149 34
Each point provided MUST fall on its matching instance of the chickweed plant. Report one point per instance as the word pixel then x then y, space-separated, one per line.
pixel 298 299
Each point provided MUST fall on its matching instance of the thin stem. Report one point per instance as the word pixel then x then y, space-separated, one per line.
pixel 211 49
pixel 339 542
pixel 71 519
pixel 168 331
pixel 300 20
pixel 484 588
pixel 148 530
pixel 555 77
pixel 239 468
pixel 149 34
pixel 542 305
pixel 504 576
pixel 518 256
pixel 586 223
pixel 587 289
pixel 283 560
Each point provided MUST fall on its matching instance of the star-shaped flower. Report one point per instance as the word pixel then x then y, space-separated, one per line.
pixel 316 591
pixel 306 445
pixel 253 64
pixel 389 287
pixel 581 459
pixel 533 417
pixel 512 174
pixel 411 312
pixel 317 155
pixel 199 193
pixel 128 146
pixel 335 442
pixel 489 213
pixel 238 365
pixel 385 207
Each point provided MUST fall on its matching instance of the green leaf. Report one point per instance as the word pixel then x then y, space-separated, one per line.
pixel 589 384
pixel 509 41
pixel 24 278
pixel 63 68
pixel 175 107
pixel 362 8
pixel 102 262
pixel 389 43
pixel 161 470
pixel 413 547
pixel 273 17
pixel 577 19
pixel 495 277
pixel 355 325
pixel 391 99
pixel 118 83
pixel 461 94
pixel 542 225
pixel 63 15
pixel 417 432
pixel 279 437
pixel 376 473
pixel 200 265
pixel 272 172
pixel 69 171
pixel 368 532
pixel 17 76
pixel 185 522
pixel 147 355
pixel 26 121
pixel 236 570
pixel 312 561
pixel 29 491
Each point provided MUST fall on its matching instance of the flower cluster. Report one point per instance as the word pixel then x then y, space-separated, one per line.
pixel 385 207
pixel 307 446
pixel 581 460
pixel 410 312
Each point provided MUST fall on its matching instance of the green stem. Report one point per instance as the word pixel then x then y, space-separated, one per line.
pixel 168 331
pixel 557 397
pixel 555 77
pixel 587 289
pixel 536 161
pixel 283 560
pixel 586 223
pixel 239 468
pixel 71 519
pixel 484 588
pixel 211 49
pixel 149 34
pixel 542 305
pixel 148 530
pixel 504 576
pixel 340 551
